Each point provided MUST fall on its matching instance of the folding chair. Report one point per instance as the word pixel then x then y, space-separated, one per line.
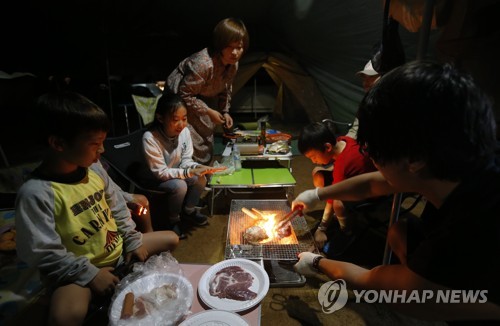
pixel 395 213
pixel 125 157
pixel 146 98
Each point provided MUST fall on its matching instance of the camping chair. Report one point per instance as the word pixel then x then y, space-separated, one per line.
pixel 396 212
pixel 145 99
pixel 127 167
pixel 374 218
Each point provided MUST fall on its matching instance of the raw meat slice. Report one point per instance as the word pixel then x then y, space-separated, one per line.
pixel 232 282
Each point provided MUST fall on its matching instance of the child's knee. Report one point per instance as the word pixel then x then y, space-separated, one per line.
pixel 178 186
pixel 69 305
pixel 160 241
pixel 141 200
pixel 74 314
pixel 171 240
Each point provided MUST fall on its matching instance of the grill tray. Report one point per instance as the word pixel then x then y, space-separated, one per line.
pixel 285 249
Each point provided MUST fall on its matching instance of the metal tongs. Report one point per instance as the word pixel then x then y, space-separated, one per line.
pixel 297 211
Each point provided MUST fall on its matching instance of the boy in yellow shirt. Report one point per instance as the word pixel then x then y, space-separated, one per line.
pixel 71 222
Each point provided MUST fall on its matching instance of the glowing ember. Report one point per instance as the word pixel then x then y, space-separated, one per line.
pixel 268 224
pixel 266 228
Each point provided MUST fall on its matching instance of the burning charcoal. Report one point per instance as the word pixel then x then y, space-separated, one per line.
pixel 255 234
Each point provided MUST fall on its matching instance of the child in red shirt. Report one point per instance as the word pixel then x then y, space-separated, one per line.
pixel 319 143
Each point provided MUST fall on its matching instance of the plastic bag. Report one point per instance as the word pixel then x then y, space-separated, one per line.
pixel 279 147
pixel 228 162
pixel 155 293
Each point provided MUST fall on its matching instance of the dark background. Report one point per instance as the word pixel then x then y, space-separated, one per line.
pixel 136 40
pixel 106 45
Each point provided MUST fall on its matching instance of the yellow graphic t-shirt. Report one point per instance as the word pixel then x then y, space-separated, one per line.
pixel 84 221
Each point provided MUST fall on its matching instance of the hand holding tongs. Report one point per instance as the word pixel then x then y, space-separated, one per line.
pixel 297 211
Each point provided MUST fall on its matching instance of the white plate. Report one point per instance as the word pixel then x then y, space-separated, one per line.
pixel 215 318
pixel 260 285
pixel 173 311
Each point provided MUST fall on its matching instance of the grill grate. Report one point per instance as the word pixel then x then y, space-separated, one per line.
pixel 281 249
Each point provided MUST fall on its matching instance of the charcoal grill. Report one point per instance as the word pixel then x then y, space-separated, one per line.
pixel 277 256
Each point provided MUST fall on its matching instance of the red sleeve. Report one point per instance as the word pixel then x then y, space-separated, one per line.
pixel 350 162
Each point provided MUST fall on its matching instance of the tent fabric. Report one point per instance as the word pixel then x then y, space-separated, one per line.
pixel 332 40
pixel 291 80
pixel 329 40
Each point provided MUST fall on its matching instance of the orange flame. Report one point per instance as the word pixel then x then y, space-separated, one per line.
pixel 269 224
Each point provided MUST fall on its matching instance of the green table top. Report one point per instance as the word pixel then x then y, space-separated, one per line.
pixel 242 177
pixel 267 176
pixel 254 177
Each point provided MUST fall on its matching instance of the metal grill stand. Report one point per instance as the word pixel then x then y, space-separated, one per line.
pixel 276 256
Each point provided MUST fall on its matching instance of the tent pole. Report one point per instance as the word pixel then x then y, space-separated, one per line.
pixel 4 157
pixel 254 98
pixel 425 29
pixel 423 42
pixel 396 205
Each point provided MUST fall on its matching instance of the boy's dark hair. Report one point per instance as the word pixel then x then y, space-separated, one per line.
pixel 429 112
pixel 227 31
pixel 67 114
pixel 316 135
pixel 167 105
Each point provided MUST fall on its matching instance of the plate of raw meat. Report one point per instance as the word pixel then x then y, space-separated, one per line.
pixel 233 285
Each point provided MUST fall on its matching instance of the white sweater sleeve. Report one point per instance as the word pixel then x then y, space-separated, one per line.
pixel 157 158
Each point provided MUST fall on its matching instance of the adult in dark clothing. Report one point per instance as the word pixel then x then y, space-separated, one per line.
pixel 430 130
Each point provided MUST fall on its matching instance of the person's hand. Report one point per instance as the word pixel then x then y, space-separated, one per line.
pixel 320 238
pixel 104 282
pixel 229 121
pixel 308 199
pixel 305 264
pixel 140 253
pixel 215 116
pixel 212 169
pixel 200 170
